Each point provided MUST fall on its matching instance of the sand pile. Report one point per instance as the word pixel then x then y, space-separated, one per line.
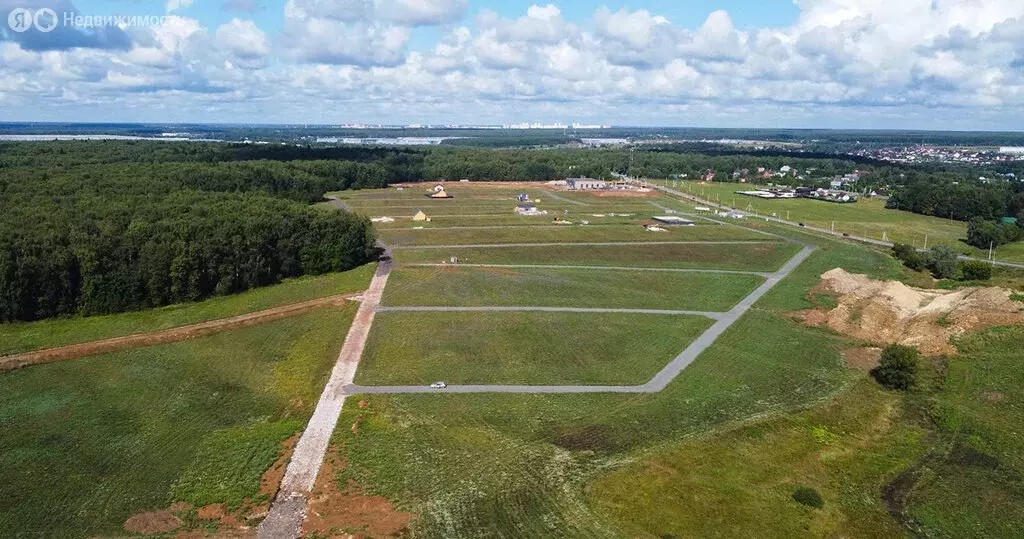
pixel 892 312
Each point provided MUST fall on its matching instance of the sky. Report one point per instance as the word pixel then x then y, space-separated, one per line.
pixel 893 64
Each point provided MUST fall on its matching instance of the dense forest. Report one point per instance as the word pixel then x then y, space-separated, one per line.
pixel 102 238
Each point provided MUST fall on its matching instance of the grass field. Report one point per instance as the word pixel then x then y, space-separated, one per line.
pixel 522 348
pixel 464 286
pixel 520 464
pixel 740 482
pixel 407 238
pixel 23 337
pixel 751 257
pixel 508 220
pixel 976 488
pixel 88 443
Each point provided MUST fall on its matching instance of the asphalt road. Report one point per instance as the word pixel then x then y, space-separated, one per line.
pixel 655 384
pixel 603 268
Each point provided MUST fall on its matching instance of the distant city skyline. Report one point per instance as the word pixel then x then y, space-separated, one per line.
pixel 863 64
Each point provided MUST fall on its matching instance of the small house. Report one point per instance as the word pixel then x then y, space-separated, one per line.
pixel 419 216
pixel 586 184
pixel 673 220
pixel 440 194
pixel 523 197
pixel 438 188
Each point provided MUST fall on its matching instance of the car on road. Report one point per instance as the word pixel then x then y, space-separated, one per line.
pixel 438 385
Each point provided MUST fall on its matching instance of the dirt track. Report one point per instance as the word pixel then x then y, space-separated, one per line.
pixel 180 333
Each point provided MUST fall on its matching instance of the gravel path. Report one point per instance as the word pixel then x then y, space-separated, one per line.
pixel 707 314
pixel 289 508
pixel 603 268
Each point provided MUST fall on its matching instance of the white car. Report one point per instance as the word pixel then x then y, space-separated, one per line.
pixel 438 385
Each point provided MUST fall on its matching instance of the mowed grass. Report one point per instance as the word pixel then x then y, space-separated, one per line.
pixel 518 465
pixel 23 337
pixel 89 442
pixel 464 286
pixel 522 347
pixel 750 257
pixel 568 233
pixel 740 482
pixel 507 220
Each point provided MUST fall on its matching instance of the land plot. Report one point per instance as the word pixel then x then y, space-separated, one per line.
pixel 462 286
pixel 523 347
pixel 410 238
pixel 749 257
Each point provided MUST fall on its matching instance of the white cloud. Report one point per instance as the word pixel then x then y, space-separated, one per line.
pixel 175 5
pixel 245 43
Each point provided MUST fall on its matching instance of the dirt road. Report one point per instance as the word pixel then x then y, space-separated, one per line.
pixel 181 333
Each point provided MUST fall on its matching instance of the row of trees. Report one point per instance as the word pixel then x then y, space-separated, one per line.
pixel 95 239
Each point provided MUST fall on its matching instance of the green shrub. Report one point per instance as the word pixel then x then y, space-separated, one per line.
pixel 909 256
pixel 898 367
pixel 943 262
pixel 809 497
pixel 975 270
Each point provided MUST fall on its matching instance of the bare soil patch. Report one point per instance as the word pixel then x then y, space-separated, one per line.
pixel 152 523
pixel 863 359
pixel 887 312
pixel 350 513
pixel 182 333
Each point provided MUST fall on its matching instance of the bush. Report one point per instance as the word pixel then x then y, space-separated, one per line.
pixel 898 367
pixel 975 270
pixel 943 262
pixel 809 497
pixel 909 256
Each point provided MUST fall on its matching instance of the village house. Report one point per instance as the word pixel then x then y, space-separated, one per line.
pixel 419 216
pixel 586 184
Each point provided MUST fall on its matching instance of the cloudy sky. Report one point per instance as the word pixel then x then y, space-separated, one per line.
pixel 936 64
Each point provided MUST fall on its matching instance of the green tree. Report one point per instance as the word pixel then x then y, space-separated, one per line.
pixel 897 368
pixel 975 270
pixel 942 261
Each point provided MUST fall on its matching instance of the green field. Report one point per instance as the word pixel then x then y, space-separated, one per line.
pixel 740 482
pixel 23 337
pixel 522 347
pixel 750 257
pixel 520 464
pixel 408 238
pixel 88 443
pixel 508 220
pixel 464 286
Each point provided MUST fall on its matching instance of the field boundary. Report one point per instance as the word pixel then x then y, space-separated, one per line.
pixel 764 274
pixel 170 335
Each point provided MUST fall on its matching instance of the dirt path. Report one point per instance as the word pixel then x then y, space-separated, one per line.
pixel 290 507
pixel 181 333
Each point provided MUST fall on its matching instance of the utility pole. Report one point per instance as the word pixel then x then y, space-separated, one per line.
pixel 926 242
pixel 787 215
pixel 833 227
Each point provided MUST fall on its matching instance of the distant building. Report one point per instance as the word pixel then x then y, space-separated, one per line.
pixel 529 209
pixel 1012 150
pixel 419 216
pixel 523 197
pixel 586 184
pixel 440 193
pixel 438 188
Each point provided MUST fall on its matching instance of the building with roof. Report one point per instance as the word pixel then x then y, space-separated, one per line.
pixel 419 216
pixel 586 184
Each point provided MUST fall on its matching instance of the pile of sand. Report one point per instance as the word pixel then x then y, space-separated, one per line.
pixel 892 312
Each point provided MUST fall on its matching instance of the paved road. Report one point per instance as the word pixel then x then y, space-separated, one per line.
pixel 657 383
pixel 583 244
pixel 288 509
pixel 602 268
pixel 862 239
pixel 422 308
